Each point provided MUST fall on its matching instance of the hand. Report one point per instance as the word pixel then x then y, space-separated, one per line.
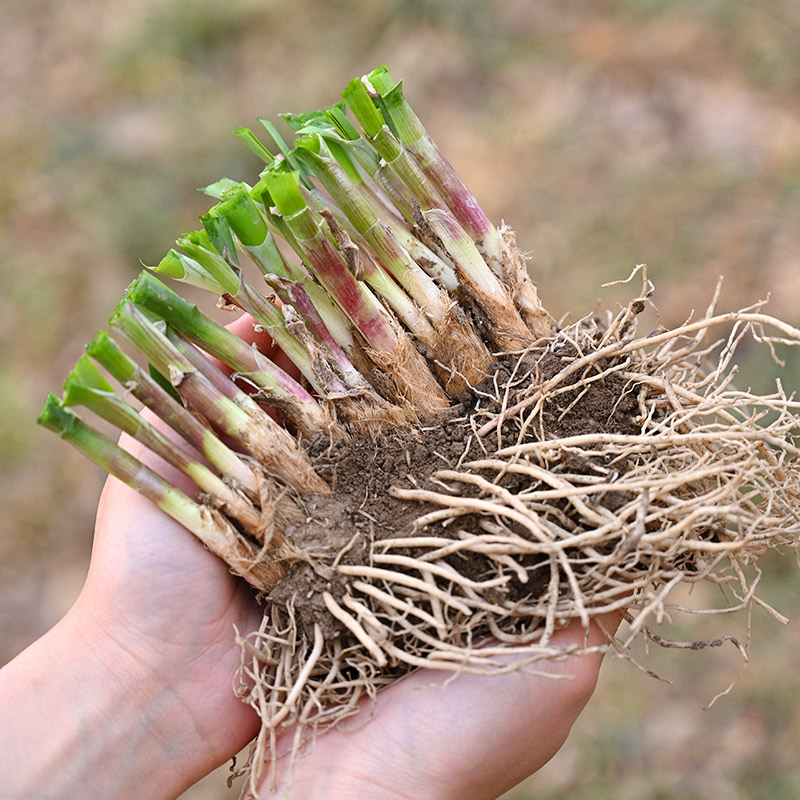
pixel 156 597
pixel 130 695
pixel 472 739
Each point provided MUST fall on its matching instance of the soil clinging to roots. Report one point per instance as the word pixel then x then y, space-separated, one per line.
pixel 593 472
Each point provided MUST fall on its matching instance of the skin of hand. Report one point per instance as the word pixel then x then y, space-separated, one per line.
pixel 130 695
pixel 469 738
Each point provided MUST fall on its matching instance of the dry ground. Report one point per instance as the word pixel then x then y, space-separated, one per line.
pixel 608 132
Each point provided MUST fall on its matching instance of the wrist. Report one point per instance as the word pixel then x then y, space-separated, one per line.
pixel 84 718
pixel 171 692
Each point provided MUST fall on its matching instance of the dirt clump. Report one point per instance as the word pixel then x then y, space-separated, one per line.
pixel 344 527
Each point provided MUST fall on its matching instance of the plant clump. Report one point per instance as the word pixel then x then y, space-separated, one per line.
pixel 456 477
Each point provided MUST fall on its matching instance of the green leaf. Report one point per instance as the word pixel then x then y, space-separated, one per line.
pixel 86 373
pixel 219 234
pixel 244 218
pixel 364 109
pixel 249 138
pixel 287 153
pixel 218 188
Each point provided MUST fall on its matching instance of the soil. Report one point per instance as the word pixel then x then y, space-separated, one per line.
pixel 361 471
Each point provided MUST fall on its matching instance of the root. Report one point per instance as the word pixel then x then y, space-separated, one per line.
pixel 280 455
pixel 461 357
pixel 524 293
pixel 367 413
pixel 671 476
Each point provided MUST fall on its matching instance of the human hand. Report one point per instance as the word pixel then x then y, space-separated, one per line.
pixel 471 739
pixel 154 595
pixel 438 740
pixel 131 694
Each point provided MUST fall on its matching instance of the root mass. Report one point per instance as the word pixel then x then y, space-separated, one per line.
pixel 593 472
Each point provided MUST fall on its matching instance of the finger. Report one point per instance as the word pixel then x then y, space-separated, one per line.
pixel 246 328
pixel 162 468
pixel 496 730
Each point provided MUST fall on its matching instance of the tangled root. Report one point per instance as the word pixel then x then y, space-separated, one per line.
pixel 553 512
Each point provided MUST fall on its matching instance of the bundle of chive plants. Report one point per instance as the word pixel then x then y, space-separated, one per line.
pixel 454 476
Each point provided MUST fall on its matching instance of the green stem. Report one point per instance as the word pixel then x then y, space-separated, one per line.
pixel 267 316
pixel 209 527
pixel 365 220
pixel 222 412
pixel 108 354
pixel 122 465
pixel 239 417
pixel 151 294
pixel 324 319
pixel 416 140
pixel 85 386
pixel 355 299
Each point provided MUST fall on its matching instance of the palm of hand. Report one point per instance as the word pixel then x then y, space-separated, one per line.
pixel 169 607
pixel 471 738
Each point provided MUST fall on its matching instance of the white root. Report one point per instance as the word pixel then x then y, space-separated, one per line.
pixel 355 628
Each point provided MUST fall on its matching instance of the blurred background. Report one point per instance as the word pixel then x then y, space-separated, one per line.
pixel 607 132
